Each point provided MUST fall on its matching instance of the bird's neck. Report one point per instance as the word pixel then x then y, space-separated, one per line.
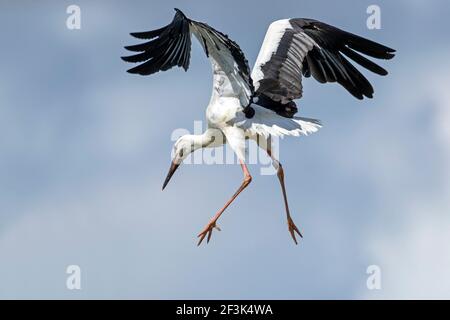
pixel 208 138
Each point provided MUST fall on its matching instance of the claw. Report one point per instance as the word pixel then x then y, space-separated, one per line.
pixel 207 232
pixel 293 229
pixel 201 239
pixel 209 235
pixel 293 236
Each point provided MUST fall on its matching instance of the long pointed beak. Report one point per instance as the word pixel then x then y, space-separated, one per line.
pixel 173 167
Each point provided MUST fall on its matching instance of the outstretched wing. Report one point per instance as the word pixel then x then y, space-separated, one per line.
pixel 170 46
pixel 296 47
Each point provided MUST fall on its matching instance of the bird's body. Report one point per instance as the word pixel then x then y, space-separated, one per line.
pixel 260 104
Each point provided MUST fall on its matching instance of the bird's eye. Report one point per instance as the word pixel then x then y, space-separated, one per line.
pixel 181 152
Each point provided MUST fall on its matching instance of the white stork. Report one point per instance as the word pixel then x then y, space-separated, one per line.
pixel 259 105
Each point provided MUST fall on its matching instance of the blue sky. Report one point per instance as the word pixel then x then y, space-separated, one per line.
pixel 85 148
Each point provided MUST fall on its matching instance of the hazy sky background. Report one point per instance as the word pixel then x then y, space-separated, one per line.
pixel 84 149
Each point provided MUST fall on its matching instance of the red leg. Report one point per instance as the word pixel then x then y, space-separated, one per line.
pixel 280 173
pixel 212 224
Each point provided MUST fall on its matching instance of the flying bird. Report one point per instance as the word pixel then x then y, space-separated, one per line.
pixel 258 105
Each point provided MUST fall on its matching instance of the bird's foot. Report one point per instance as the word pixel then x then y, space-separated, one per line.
pixel 207 232
pixel 293 229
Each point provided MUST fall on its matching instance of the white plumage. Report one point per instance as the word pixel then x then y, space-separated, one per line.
pixel 261 105
pixel 266 123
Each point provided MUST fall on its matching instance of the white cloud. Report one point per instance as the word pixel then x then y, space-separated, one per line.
pixel 86 189
pixel 410 240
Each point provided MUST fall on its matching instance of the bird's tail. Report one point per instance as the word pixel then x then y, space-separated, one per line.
pixel 307 125
pixel 295 126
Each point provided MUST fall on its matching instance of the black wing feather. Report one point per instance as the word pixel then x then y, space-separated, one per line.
pixel 363 61
pixel 326 63
pixel 312 48
pixel 171 47
pixel 148 34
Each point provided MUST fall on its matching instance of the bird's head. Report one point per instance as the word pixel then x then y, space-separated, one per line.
pixel 183 147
